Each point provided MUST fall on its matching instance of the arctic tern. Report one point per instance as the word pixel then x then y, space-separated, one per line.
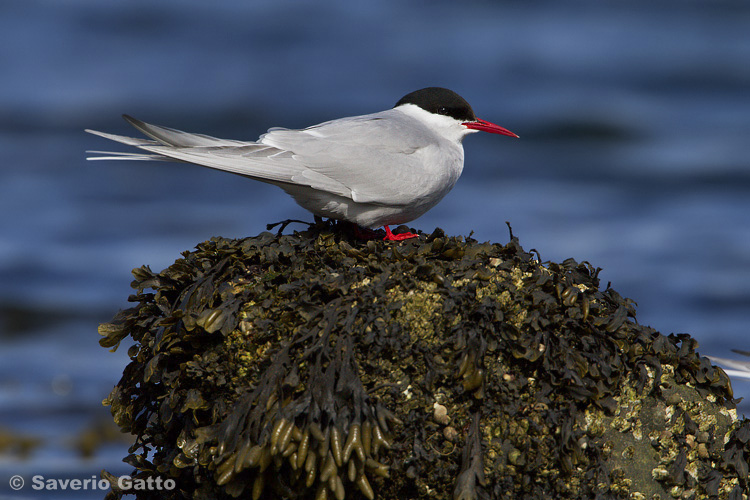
pixel 373 170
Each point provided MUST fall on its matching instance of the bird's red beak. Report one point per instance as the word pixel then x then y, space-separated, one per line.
pixel 488 127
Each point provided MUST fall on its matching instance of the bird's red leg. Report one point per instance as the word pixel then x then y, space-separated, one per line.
pixel 389 236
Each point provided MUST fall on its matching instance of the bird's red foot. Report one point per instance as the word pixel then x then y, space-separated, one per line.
pixel 389 236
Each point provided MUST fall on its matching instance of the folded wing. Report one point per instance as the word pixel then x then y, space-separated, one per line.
pixel 369 159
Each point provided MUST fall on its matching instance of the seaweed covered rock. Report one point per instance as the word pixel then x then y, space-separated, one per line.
pixel 314 366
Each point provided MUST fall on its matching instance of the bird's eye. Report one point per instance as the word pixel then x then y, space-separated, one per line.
pixel 442 110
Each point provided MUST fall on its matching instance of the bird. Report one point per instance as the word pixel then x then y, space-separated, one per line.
pixel 373 170
pixel 735 368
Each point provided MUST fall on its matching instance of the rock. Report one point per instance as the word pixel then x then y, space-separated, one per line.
pixel 312 366
pixel 440 414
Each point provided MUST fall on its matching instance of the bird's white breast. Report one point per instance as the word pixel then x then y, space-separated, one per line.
pixel 396 164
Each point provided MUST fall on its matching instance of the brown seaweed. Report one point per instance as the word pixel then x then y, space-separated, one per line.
pixel 312 365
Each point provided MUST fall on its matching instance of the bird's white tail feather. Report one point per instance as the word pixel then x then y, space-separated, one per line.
pixel 130 141
pixel 115 155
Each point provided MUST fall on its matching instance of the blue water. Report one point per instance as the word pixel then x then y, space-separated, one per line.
pixel 635 126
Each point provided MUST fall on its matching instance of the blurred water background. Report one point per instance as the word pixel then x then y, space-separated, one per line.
pixel 634 120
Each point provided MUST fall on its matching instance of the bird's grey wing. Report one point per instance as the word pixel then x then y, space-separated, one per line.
pixel 376 157
pixel 366 159
pixel 177 138
pixel 251 159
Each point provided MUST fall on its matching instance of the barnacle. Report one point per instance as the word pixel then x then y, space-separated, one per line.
pixel 313 366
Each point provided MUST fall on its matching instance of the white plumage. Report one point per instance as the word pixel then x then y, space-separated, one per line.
pixel 374 170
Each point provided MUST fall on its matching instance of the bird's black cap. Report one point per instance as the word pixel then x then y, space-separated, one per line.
pixel 441 102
